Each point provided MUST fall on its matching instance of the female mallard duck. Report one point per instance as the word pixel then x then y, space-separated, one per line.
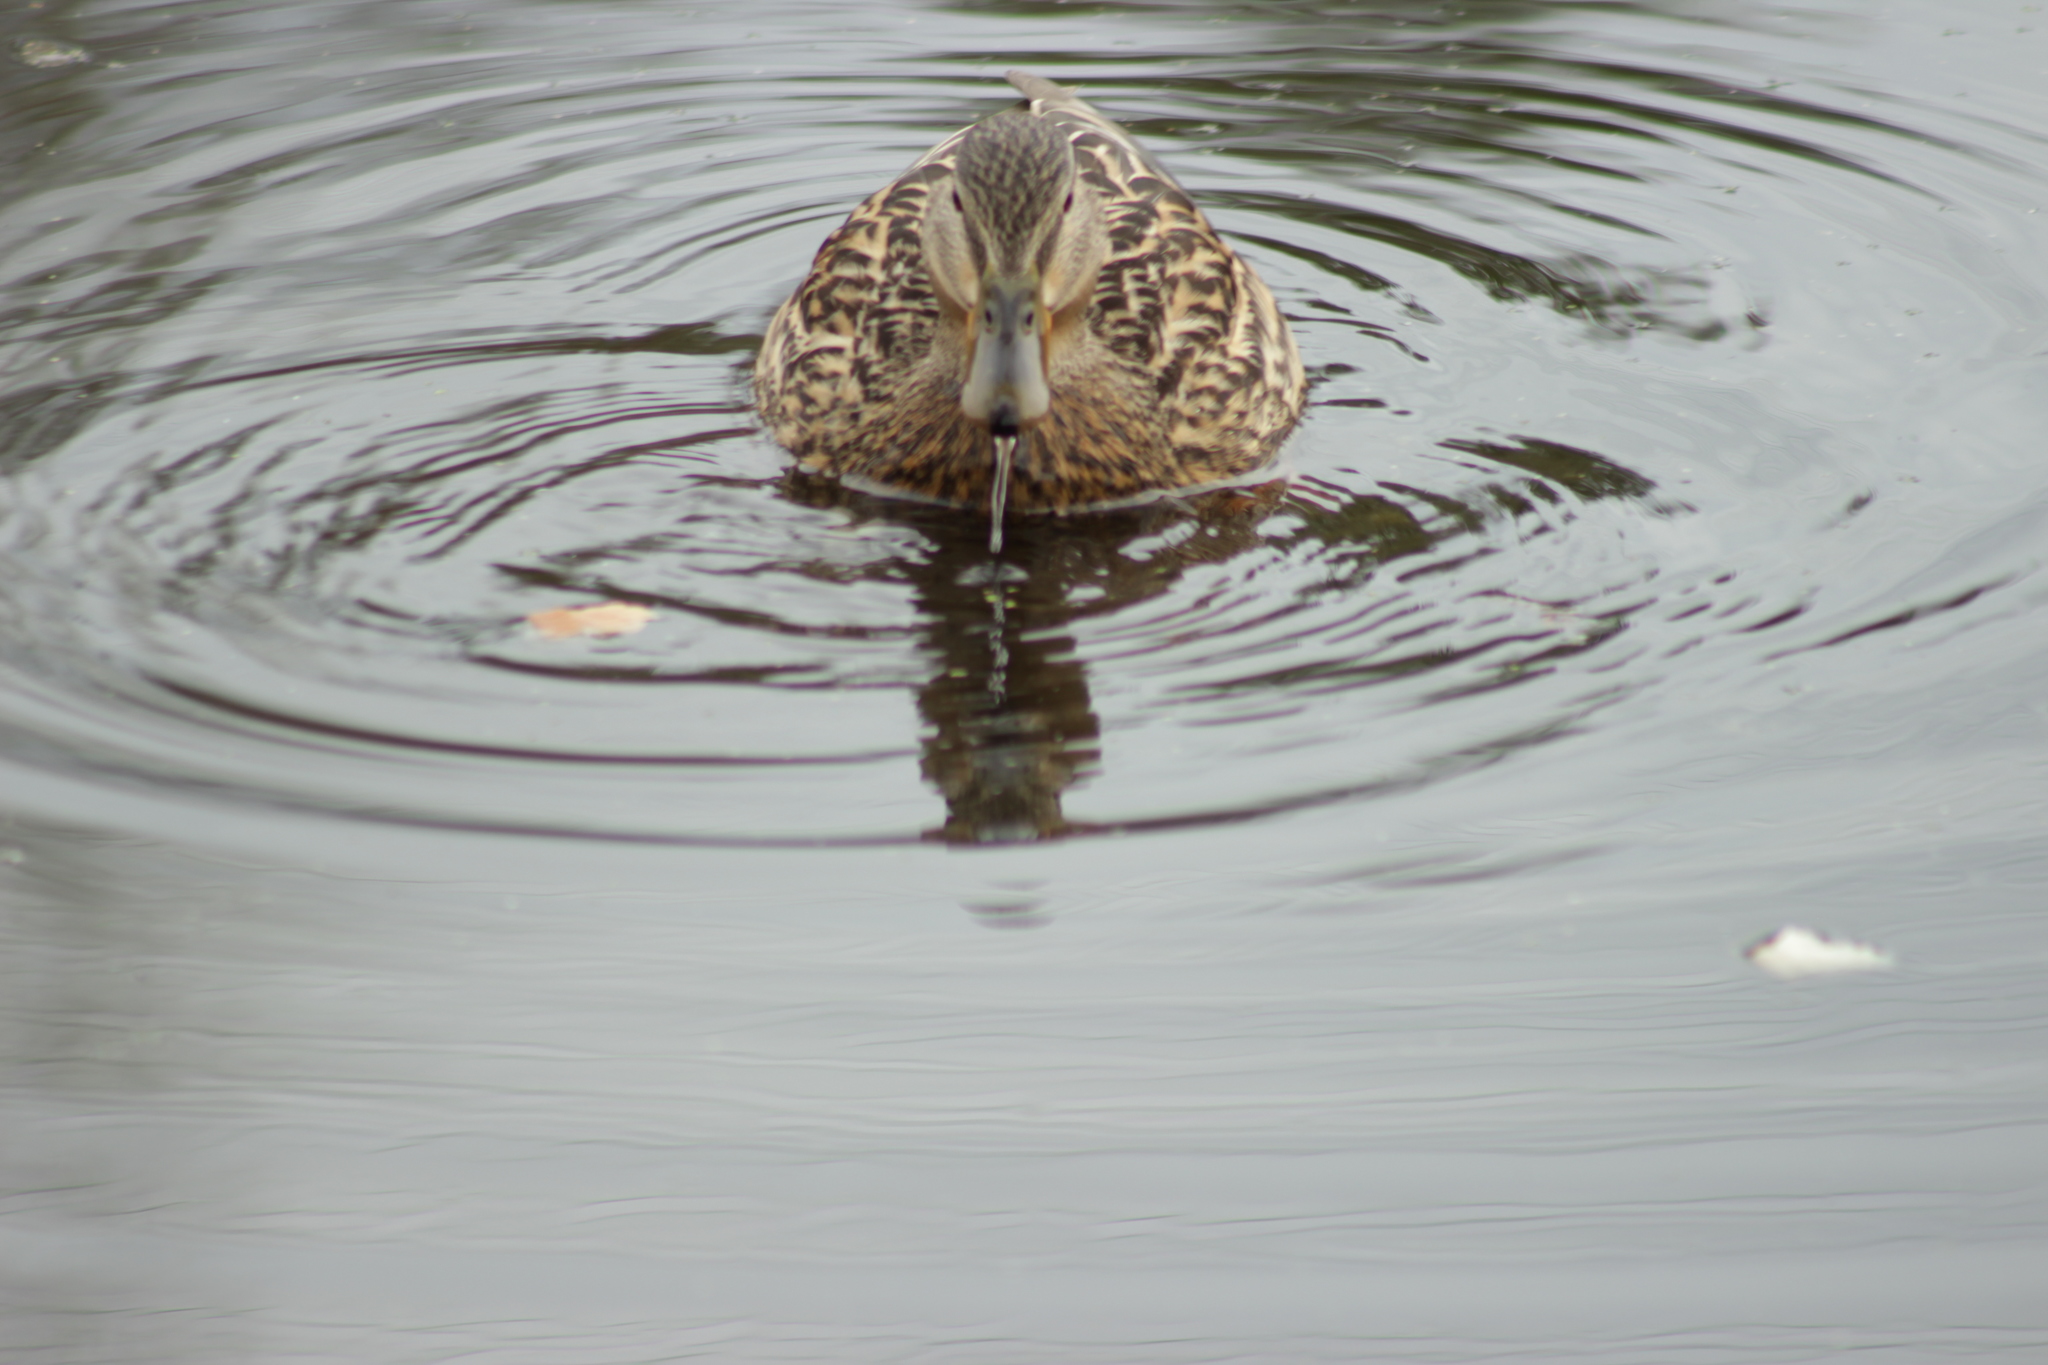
pixel 1033 314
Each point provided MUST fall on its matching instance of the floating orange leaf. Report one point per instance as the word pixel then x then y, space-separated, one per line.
pixel 606 618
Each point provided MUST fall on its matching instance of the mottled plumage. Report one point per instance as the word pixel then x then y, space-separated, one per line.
pixel 1037 275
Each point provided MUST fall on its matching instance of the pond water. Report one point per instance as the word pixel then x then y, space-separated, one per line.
pixel 1306 928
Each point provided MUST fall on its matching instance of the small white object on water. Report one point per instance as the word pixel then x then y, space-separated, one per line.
pixel 47 52
pixel 1794 951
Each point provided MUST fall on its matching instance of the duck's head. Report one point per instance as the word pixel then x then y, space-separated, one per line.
pixel 1013 241
pixel 1014 244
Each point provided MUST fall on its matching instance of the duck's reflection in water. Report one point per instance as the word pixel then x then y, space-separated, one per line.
pixel 1009 724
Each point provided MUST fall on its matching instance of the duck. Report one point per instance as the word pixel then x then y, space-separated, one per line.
pixel 1035 317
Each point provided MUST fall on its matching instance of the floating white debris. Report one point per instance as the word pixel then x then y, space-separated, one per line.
pixel 1794 951
pixel 47 52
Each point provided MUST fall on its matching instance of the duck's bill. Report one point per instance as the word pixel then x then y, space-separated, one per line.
pixel 1006 384
pixel 999 490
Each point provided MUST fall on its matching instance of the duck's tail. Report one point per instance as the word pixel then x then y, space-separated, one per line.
pixel 1042 92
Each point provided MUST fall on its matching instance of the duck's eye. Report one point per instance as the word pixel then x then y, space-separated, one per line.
pixel 956 202
pixel 1066 207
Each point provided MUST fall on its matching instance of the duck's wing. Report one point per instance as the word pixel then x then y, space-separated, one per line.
pixel 850 335
pixel 1173 297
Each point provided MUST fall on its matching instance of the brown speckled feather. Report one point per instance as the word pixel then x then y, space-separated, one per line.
pixel 1178 371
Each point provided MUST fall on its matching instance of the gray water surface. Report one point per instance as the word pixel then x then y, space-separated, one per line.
pixel 1295 927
